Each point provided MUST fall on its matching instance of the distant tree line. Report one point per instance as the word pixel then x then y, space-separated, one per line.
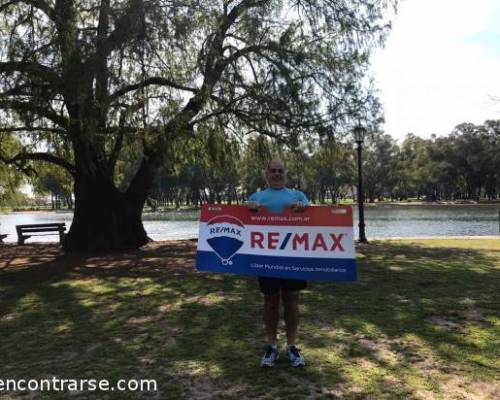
pixel 465 165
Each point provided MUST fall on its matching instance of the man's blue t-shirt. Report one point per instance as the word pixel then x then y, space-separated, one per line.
pixel 276 200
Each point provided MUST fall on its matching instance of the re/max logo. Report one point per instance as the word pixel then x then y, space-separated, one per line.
pixel 225 229
pixel 304 241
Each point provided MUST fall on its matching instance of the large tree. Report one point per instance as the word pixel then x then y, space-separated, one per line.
pixel 97 73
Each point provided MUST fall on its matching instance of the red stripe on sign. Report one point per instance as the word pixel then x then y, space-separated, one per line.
pixel 312 216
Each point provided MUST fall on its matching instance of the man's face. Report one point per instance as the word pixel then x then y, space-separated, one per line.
pixel 276 175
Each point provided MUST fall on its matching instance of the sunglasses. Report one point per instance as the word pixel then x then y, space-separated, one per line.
pixel 276 170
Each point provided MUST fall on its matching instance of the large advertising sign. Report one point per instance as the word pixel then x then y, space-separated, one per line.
pixel 317 244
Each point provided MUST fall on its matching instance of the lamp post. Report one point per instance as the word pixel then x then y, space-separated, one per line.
pixel 359 136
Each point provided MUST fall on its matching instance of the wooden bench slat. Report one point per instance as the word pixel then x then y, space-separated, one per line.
pixel 40 225
pixel 38 234
pixel 50 229
pixel 23 228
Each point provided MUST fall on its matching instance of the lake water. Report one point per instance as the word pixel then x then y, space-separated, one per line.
pixel 381 222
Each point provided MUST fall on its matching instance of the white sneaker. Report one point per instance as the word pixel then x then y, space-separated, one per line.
pixel 296 359
pixel 271 355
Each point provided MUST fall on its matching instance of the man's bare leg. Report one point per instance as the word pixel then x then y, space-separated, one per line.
pixel 271 316
pixel 291 311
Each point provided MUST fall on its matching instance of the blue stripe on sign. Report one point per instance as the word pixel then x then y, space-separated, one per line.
pixel 287 238
pixel 322 269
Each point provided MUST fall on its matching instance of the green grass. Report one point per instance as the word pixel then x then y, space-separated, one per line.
pixel 423 322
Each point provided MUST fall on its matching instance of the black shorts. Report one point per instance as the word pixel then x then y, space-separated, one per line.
pixel 274 285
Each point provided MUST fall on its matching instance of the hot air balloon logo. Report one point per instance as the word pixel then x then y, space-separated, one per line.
pixel 225 237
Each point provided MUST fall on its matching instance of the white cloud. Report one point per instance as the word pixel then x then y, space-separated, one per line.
pixel 440 66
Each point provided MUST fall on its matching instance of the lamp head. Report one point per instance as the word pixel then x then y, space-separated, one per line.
pixel 359 134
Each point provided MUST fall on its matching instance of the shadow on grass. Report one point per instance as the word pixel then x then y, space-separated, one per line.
pixel 434 310
pixel 416 314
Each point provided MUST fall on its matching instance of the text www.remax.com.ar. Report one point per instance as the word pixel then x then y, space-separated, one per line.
pixel 55 384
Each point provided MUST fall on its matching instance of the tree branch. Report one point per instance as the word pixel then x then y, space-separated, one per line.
pixel 126 27
pixel 117 146
pixel 28 106
pixel 33 129
pixel 20 160
pixel 270 46
pixel 38 4
pixel 31 68
pixel 148 82
pixel 215 61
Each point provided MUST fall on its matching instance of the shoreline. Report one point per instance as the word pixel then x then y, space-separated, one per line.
pixel 430 204
pixel 478 237
pixel 195 240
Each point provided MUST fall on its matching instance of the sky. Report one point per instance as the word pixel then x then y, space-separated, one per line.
pixel 440 66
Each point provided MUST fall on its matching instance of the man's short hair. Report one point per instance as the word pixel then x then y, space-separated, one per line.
pixel 275 160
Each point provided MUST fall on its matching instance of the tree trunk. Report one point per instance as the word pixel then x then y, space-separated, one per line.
pixel 105 219
pixel 69 201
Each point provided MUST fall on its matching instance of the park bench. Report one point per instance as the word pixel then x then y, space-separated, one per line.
pixel 26 231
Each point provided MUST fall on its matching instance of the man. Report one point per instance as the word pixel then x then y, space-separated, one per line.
pixel 275 199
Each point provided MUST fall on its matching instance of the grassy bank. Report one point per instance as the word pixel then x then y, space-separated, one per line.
pixel 422 322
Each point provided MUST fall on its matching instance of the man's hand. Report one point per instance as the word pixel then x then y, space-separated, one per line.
pixel 299 207
pixel 253 205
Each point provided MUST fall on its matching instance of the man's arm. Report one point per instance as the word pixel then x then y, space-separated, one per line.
pixel 252 203
pixel 301 204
